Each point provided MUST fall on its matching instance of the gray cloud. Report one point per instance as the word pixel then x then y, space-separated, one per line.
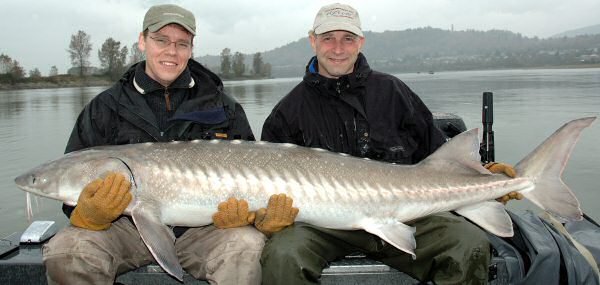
pixel 37 33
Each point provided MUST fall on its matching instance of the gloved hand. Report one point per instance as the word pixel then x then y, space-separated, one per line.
pixel 497 167
pixel 232 214
pixel 278 214
pixel 101 202
pixel 508 170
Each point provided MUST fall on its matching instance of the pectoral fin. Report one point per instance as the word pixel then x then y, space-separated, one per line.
pixel 158 238
pixel 397 234
pixel 489 215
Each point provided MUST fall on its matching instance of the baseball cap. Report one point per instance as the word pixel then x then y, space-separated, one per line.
pixel 161 15
pixel 337 17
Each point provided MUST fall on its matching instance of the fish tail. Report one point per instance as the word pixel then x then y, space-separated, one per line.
pixel 545 165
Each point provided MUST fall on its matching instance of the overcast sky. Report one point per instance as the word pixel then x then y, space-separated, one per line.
pixel 37 32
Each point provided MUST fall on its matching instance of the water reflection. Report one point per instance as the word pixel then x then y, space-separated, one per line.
pixel 262 90
pixel 528 105
pixel 238 91
pixel 258 97
pixel 10 105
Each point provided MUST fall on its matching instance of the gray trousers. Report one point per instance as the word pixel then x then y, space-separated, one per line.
pixel 450 250
pixel 80 256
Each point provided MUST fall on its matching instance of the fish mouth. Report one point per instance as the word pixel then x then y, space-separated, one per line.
pixel 25 180
pixel 21 181
pixel 20 184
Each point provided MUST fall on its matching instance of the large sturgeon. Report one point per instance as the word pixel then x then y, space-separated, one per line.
pixel 181 184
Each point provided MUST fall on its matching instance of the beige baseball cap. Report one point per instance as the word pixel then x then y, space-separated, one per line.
pixel 337 17
pixel 161 15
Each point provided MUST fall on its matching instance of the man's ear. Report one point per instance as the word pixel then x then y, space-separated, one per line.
pixel 313 42
pixel 192 53
pixel 362 42
pixel 142 42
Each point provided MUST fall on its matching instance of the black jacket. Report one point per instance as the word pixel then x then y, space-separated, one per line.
pixel 365 113
pixel 121 115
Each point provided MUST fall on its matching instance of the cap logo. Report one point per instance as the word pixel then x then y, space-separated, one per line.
pixel 174 14
pixel 339 12
pixel 337 17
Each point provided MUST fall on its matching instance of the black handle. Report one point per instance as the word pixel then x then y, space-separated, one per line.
pixel 486 148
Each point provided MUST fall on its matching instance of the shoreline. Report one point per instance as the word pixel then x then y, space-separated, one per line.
pixel 88 82
pixel 96 82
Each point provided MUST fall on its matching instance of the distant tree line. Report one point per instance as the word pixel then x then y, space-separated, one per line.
pixel 112 56
pixel 115 58
pixel 422 49
pixel 411 50
pixel 10 70
pixel 233 66
pixel 436 49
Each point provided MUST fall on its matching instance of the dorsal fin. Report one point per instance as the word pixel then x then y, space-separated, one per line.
pixel 459 153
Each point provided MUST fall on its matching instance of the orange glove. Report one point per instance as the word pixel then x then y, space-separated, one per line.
pixel 508 170
pixel 101 202
pixel 497 167
pixel 232 214
pixel 278 214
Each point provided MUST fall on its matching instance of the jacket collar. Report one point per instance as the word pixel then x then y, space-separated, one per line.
pixel 358 76
pixel 144 84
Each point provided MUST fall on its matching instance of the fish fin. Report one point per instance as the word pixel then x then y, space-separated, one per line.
pixel 544 166
pixel 460 154
pixel 398 234
pixel 158 238
pixel 489 215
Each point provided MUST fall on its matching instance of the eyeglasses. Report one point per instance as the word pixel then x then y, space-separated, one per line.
pixel 163 42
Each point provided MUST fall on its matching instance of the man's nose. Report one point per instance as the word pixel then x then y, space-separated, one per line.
pixel 172 48
pixel 338 47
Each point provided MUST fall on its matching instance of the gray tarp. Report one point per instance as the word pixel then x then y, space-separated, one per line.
pixel 539 254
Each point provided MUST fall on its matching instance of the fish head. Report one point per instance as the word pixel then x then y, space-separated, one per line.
pixel 63 179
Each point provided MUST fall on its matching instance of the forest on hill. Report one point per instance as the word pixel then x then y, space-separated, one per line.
pixel 432 49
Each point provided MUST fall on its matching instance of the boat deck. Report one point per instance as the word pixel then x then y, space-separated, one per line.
pixel 21 263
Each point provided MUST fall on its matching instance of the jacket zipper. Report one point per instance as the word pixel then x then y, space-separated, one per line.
pixel 167 99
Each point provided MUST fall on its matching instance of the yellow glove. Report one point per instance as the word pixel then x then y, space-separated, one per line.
pixel 497 167
pixel 508 170
pixel 232 214
pixel 278 214
pixel 101 202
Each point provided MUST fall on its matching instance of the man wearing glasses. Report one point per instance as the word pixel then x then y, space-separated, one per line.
pixel 167 97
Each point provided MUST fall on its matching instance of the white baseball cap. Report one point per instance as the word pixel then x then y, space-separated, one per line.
pixel 337 17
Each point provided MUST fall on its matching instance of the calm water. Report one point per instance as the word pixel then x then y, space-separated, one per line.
pixel 529 105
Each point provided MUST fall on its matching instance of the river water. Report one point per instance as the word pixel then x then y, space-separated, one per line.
pixel 528 106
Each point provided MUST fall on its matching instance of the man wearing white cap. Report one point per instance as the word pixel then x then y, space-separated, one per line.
pixel 344 106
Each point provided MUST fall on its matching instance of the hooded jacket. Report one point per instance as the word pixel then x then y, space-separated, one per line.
pixel 121 115
pixel 365 113
pixel 200 109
